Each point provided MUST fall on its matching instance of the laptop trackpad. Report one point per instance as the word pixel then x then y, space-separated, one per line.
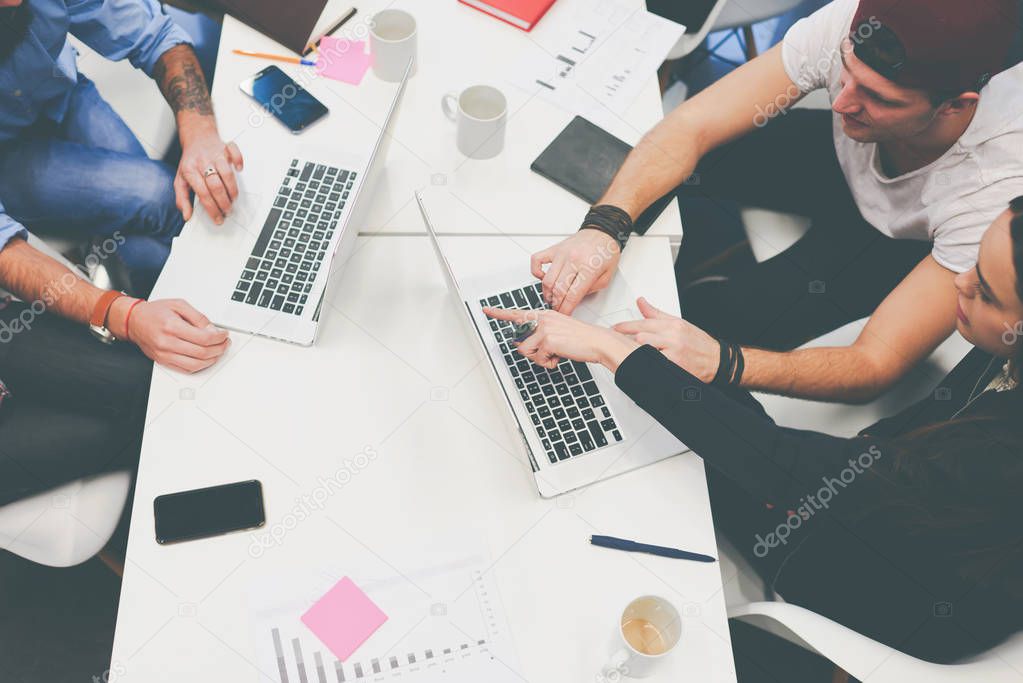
pixel 614 304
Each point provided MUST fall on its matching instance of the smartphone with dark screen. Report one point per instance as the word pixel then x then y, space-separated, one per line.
pixel 211 511
pixel 287 101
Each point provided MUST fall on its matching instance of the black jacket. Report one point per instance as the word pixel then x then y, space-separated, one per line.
pixel 839 559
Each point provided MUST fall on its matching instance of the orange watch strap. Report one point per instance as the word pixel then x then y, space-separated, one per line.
pixel 99 313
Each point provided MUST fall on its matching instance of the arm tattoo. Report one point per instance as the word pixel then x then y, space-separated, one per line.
pixel 181 81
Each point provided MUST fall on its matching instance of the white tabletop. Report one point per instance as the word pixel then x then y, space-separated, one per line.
pixel 393 371
pixel 458 46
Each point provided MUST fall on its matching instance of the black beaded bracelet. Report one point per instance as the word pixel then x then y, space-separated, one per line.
pixel 610 220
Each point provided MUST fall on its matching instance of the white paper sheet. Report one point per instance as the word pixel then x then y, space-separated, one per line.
pixel 592 55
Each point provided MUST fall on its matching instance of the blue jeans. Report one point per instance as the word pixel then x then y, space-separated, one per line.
pixel 89 177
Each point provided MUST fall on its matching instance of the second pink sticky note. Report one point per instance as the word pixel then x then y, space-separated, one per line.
pixel 342 59
pixel 344 618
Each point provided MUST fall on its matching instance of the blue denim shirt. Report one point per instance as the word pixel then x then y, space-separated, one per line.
pixel 36 80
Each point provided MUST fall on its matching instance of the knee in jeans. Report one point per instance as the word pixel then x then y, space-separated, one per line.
pixel 156 213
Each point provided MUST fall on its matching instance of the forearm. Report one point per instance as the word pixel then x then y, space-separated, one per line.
pixel 668 154
pixel 664 158
pixel 846 374
pixel 183 85
pixel 39 280
pixel 730 431
pixel 904 329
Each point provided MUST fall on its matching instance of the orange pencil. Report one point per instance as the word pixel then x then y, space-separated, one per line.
pixel 279 58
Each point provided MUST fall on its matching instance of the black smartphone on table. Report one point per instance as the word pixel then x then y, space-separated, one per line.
pixel 206 512
pixel 287 101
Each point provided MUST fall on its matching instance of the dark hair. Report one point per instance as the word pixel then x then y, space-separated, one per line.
pixel 961 479
pixel 1016 234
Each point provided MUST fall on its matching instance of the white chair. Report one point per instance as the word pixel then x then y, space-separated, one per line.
pixel 71 523
pixel 725 16
pixel 68 524
pixel 870 661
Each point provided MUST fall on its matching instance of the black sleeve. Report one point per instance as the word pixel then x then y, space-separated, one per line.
pixel 731 431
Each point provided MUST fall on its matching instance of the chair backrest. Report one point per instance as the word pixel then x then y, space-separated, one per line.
pixel 736 14
pixel 68 524
pixel 694 35
pixel 873 662
pixel 846 420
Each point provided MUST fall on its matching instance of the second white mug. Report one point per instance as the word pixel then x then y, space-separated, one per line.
pixel 480 113
pixel 648 631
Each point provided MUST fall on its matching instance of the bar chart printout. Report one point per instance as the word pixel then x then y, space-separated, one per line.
pixel 445 623
pixel 593 57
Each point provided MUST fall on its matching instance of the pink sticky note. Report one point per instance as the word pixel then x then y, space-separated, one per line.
pixel 342 59
pixel 344 618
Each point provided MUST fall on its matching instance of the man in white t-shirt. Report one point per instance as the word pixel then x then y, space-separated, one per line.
pixel 922 148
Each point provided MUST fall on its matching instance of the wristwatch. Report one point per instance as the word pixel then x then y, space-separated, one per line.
pixel 98 321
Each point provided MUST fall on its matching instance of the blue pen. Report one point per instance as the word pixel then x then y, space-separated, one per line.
pixel 633 547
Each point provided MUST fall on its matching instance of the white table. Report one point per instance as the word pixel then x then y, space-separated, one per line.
pixel 393 371
pixel 458 46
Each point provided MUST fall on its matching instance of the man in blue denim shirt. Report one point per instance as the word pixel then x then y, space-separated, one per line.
pixel 67 162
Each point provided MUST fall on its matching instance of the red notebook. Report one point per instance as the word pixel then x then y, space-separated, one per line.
pixel 521 13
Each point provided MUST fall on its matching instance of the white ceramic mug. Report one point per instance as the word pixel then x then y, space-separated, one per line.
pixel 480 113
pixel 392 43
pixel 649 630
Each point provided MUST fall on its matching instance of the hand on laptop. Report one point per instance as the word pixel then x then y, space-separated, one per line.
pixel 681 342
pixel 559 336
pixel 580 264
pixel 172 333
pixel 202 150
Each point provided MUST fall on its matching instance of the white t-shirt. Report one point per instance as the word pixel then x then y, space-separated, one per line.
pixel 950 201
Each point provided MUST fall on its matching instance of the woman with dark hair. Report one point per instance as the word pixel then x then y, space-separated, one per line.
pixel 909 533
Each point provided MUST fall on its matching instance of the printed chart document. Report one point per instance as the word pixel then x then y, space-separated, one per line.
pixel 589 56
pixel 445 622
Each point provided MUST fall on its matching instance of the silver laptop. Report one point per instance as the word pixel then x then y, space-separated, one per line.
pixel 267 272
pixel 577 426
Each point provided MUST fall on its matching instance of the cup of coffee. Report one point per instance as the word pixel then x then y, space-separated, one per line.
pixel 392 43
pixel 480 113
pixel 648 631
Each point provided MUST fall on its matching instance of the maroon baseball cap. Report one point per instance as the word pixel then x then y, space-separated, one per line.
pixel 935 45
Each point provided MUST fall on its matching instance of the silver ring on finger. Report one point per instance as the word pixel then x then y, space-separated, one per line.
pixel 209 171
pixel 524 331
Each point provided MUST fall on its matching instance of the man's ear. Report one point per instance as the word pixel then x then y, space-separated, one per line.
pixel 959 104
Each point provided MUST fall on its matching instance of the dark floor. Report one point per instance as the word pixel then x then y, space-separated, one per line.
pixel 56 625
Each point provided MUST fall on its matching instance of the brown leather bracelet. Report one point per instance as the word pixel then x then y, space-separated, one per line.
pixel 98 321
pixel 102 308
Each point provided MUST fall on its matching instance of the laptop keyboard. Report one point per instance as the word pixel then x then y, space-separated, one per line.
pixel 293 243
pixel 567 409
